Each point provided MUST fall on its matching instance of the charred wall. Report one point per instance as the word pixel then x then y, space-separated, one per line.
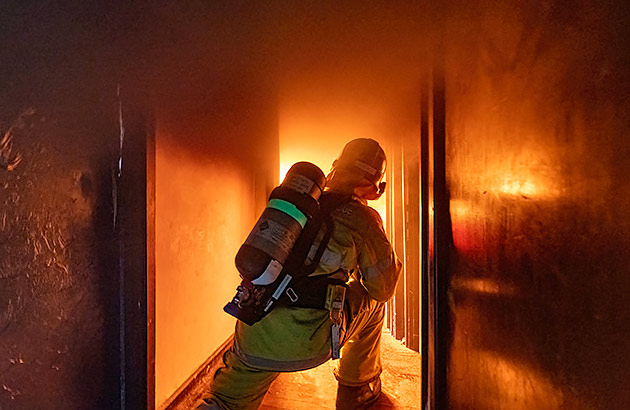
pixel 537 120
pixel 59 208
pixel 57 265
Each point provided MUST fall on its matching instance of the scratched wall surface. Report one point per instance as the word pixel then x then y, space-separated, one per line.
pixel 58 274
pixel 538 149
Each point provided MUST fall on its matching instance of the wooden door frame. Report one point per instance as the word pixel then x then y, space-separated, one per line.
pixel 438 240
pixel 134 178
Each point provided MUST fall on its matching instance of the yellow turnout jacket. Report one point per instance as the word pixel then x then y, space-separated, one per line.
pixel 292 338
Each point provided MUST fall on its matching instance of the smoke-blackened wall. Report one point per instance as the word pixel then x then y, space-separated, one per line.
pixel 59 207
pixel 537 157
pixel 58 277
pixel 57 264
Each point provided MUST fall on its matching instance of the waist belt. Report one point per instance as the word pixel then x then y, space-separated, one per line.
pixel 309 292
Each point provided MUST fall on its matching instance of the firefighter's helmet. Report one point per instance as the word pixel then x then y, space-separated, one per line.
pixel 365 158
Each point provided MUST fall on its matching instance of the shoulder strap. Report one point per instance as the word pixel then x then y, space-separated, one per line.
pixel 295 263
pixel 328 203
pixel 311 291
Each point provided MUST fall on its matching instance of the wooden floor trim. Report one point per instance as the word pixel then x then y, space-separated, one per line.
pixel 191 389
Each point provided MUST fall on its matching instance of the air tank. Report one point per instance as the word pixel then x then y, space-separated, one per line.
pixel 291 205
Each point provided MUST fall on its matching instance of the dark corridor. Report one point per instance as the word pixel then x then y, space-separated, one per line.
pixel 138 143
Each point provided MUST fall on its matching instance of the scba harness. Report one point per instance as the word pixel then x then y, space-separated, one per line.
pixel 292 284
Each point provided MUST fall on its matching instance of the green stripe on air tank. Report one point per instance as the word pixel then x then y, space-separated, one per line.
pixel 289 209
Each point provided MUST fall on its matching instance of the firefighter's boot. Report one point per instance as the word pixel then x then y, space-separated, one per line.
pixel 358 397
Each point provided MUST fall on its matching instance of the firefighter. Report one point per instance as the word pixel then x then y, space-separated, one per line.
pixel 293 338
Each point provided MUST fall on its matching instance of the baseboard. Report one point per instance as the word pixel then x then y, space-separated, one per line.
pixel 189 392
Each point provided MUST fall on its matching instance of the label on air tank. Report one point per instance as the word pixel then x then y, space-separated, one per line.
pixel 298 183
pixel 276 233
pixel 270 274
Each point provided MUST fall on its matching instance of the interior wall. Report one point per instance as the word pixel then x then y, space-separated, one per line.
pixel 216 161
pixel 537 117
pixel 58 276
pixel 58 247
pixel 206 187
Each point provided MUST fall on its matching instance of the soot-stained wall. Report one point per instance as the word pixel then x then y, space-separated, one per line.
pixel 59 320
pixel 58 277
pixel 537 119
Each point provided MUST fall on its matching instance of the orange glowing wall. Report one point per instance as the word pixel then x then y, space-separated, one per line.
pixel 537 115
pixel 213 171
pixel 216 161
pixel 202 213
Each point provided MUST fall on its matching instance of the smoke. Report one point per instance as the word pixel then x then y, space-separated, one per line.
pixel 349 71
pixel 330 71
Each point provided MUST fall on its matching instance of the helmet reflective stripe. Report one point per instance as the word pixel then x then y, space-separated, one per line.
pixel 365 156
pixel 365 167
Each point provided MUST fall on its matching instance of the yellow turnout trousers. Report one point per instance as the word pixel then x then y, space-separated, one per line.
pixel 237 385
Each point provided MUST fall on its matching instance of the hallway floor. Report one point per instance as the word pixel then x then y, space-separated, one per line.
pixel 316 388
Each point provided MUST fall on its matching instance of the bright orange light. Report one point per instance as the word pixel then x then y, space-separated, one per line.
pixel 314 128
pixel 321 152
pixel 519 187
pixel 526 184
pixel 483 286
pixel 284 168
pixel 532 177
